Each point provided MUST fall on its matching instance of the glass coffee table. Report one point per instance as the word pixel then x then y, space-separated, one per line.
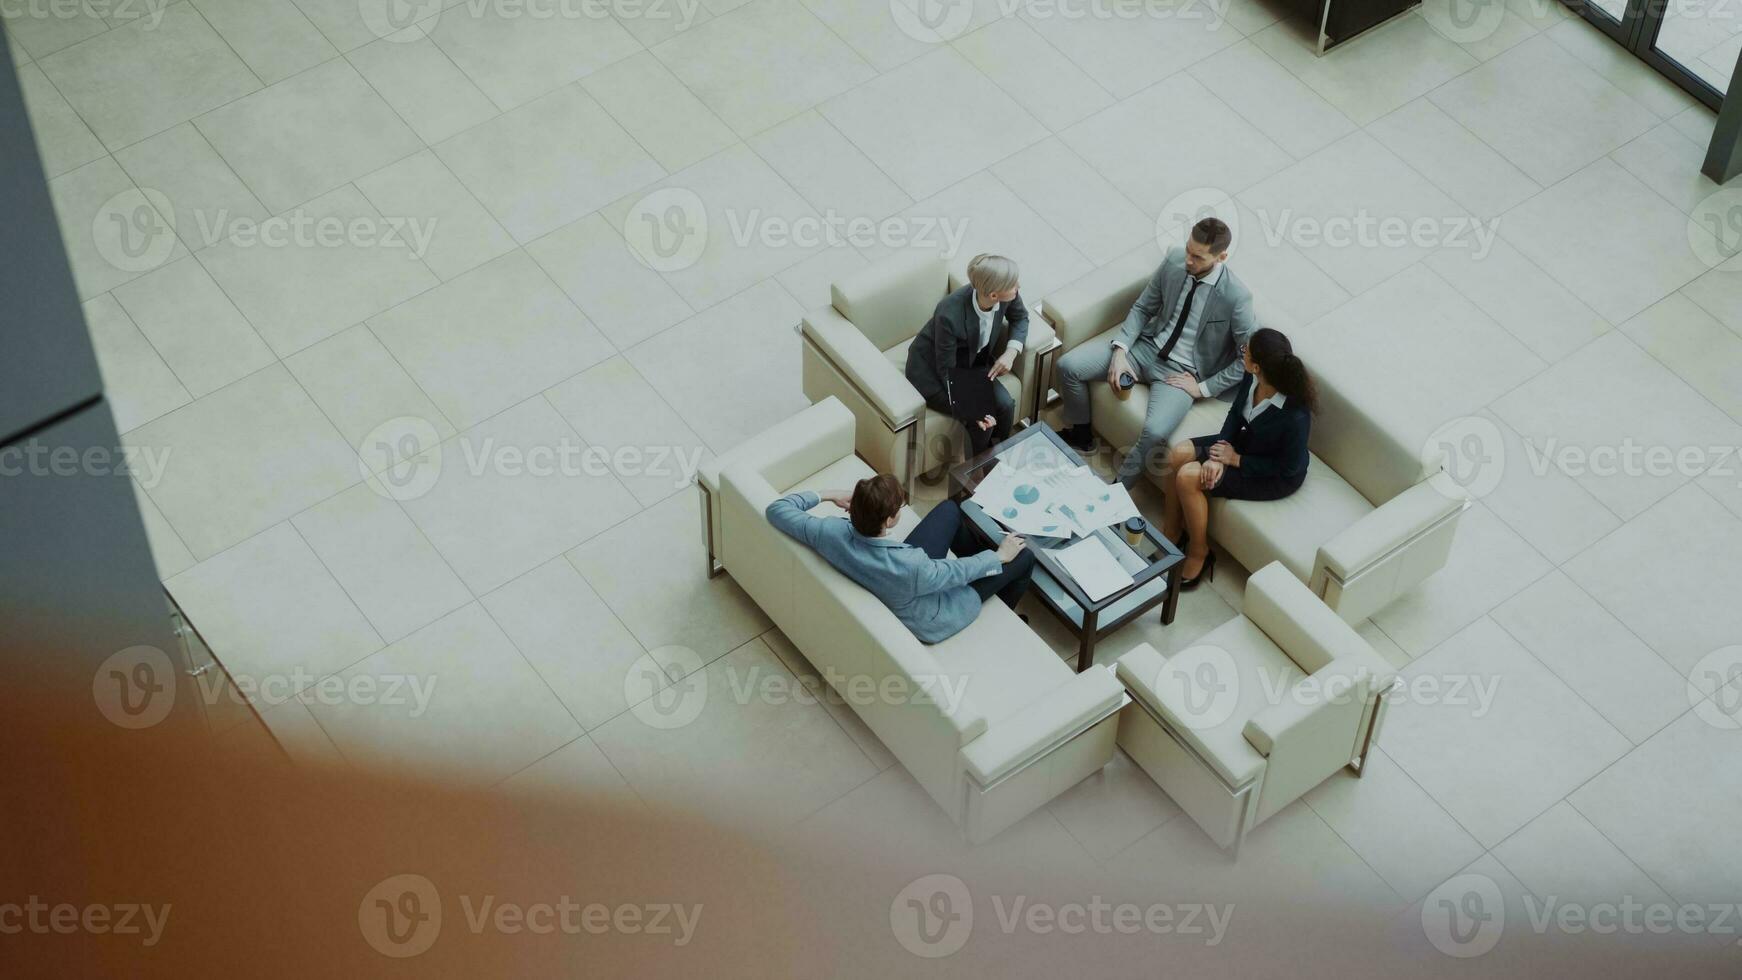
pixel 1152 561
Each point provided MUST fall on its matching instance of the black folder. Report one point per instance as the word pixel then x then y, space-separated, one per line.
pixel 971 393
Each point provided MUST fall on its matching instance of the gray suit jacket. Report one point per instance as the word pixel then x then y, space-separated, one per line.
pixel 1226 324
pixel 929 595
pixel 952 337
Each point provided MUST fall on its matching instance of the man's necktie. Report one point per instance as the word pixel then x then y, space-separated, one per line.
pixel 1179 326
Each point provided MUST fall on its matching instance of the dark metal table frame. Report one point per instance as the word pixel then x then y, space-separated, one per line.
pixel 1059 592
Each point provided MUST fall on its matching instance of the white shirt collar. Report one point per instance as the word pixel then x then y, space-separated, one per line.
pixel 1253 406
pixel 1213 276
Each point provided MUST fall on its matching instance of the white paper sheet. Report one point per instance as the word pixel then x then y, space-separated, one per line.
pixel 1037 490
pixel 1094 568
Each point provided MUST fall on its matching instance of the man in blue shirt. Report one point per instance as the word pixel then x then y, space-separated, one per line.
pixel 934 595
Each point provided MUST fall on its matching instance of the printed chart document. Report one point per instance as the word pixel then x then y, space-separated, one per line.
pixel 1035 490
pixel 1094 568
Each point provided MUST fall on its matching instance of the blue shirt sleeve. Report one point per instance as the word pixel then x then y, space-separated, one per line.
pixel 788 515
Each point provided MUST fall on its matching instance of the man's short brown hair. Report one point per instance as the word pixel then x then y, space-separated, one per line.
pixel 875 500
pixel 1213 232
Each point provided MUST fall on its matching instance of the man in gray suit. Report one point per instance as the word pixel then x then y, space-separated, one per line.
pixel 1182 339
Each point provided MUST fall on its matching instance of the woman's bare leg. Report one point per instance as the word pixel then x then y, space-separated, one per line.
pixel 1195 508
pixel 1171 514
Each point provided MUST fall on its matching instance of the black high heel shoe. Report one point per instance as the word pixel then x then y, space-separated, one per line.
pixel 1208 571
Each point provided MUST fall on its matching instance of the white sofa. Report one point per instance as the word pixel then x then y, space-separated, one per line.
pixel 1371 521
pixel 856 350
pixel 1010 725
pixel 1258 712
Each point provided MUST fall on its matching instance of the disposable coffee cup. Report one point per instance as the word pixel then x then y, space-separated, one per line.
pixel 1134 529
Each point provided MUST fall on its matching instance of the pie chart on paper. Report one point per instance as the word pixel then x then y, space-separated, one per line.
pixel 1027 493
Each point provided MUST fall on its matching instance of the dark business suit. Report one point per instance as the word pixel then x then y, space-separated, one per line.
pixel 951 339
pixel 1272 447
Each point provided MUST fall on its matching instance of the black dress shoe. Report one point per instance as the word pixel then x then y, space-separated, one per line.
pixel 1079 437
pixel 1208 571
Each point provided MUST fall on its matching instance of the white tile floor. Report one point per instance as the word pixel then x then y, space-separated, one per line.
pixel 354 489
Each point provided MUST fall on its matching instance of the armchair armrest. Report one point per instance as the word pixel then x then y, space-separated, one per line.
pixel 1017 739
pixel 1040 337
pixel 1306 629
pixel 783 454
pixel 1146 675
pixel 881 383
pixel 1333 696
pixel 1392 525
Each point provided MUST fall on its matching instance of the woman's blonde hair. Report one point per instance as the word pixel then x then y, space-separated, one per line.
pixel 991 273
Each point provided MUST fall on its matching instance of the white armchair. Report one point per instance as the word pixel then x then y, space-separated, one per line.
pixel 1261 710
pixel 855 350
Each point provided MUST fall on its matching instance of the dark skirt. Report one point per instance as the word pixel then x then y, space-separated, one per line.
pixel 1236 484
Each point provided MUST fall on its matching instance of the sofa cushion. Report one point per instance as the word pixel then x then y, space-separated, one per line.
pixel 1290 530
pixel 1370 445
pixel 1261 671
pixel 890 300
pixel 1000 663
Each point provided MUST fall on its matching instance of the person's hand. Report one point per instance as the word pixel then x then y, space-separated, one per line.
pixel 1003 365
pixel 1010 547
pixel 1186 383
pixel 840 498
pixel 986 423
pixel 1223 452
pixel 1211 474
pixel 1116 366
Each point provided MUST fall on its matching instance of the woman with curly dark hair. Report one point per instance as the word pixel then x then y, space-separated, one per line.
pixel 1260 454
